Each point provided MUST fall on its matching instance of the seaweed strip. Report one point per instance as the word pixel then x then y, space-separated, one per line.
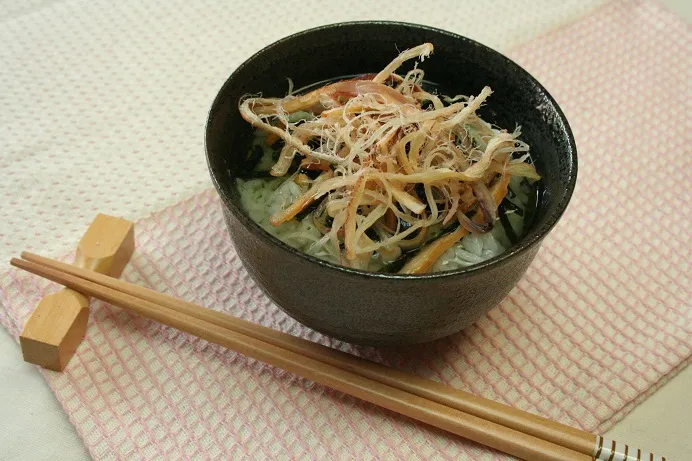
pixel 509 205
pixel 532 208
pixel 509 230
pixel 252 159
pixel 309 209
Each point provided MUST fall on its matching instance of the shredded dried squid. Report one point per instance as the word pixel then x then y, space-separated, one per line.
pixel 398 169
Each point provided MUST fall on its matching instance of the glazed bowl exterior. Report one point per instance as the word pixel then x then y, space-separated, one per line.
pixel 376 308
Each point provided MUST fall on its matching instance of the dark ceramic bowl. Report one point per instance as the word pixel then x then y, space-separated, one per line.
pixel 373 308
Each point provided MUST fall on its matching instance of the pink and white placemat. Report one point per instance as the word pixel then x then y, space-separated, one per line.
pixel 601 319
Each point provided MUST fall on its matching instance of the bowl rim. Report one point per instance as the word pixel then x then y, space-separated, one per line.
pixel 521 247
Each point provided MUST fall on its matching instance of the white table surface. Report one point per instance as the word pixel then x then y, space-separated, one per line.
pixel 34 426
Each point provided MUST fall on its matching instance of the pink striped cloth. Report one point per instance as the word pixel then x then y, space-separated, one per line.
pixel 601 319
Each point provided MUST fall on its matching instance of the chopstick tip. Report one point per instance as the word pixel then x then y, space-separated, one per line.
pixel 16 262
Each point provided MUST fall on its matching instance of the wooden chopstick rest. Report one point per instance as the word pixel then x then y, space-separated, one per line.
pixel 58 324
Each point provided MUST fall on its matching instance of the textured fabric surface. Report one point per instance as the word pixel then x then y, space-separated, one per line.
pixel 601 318
pixel 104 103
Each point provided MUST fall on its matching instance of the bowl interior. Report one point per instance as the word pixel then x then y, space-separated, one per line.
pixel 458 65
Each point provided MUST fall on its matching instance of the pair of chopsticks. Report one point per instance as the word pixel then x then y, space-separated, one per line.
pixel 499 426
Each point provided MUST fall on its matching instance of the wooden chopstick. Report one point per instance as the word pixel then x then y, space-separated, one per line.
pixel 458 422
pixel 505 415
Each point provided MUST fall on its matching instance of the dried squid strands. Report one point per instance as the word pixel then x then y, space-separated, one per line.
pixel 408 200
pixel 303 201
pixel 467 111
pixel 502 143
pixel 428 255
pixel 523 169
pixel 288 152
pixel 415 242
pixel 455 196
pixel 393 159
pixel 351 214
pixel 420 51
pixel 253 119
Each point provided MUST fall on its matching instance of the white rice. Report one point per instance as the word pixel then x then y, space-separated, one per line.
pixel 261 198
